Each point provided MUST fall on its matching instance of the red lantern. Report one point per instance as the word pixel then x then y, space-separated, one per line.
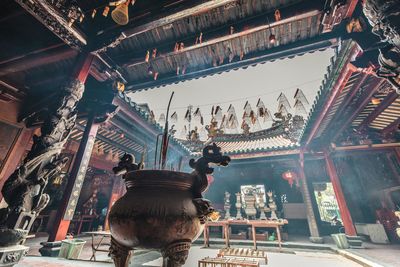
pixel 289 176
pixel 210 179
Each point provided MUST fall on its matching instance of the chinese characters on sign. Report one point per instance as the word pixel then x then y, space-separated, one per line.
pixel 73 200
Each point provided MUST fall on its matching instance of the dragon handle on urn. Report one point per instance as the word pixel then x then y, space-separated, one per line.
pixel 211 154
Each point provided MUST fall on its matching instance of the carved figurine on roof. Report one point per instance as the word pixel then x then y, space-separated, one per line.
pixel 383 15
pixel 246 128
pixel 294 128
pixel 281 119
pixel 194 135
pixel 213 129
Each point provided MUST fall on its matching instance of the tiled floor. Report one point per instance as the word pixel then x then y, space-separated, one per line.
pixel 386 255
pixel 309 259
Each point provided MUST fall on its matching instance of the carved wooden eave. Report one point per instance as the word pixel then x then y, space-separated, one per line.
pixel 56 22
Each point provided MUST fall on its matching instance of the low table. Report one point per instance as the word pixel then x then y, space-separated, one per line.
pixel 96 247
pixel 225 224
pixel 227 262
pixel 244 253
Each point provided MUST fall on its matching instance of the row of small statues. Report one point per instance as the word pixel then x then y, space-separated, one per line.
pixel 250 205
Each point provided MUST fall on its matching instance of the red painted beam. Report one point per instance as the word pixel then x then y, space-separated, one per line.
pixel 343 209
pixel 351 7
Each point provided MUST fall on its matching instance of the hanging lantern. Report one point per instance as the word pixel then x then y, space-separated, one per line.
pixel 272 38
pixel 121 13
pixel 290 177
pixel 210 179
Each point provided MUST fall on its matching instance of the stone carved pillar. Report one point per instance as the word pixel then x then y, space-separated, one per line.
pixel 23 190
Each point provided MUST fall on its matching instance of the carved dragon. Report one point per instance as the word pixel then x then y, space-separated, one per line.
pixel 23 190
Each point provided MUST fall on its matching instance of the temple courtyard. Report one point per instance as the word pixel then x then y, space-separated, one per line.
pixel 213 133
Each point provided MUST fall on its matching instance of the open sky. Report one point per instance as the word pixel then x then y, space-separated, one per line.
pixel 265 81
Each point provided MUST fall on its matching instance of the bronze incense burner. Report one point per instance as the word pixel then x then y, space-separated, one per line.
pixel 162 210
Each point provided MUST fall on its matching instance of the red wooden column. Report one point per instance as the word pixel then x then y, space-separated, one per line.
pixel 343 209
pixel 80 164
pixel 75 181
pixel 312 222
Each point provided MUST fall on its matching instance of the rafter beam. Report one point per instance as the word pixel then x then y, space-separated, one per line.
pixel 389 99
pixel 338 87
pixel 392 127
pixel 109 141
pixel 37 60
pixel 183 10
pixel 284 51
pixel 9 92
pixel 366 98
pixel 340 76
pixel 244 27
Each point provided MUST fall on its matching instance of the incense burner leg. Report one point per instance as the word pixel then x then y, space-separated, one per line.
pixel 120 254
pixel 175 254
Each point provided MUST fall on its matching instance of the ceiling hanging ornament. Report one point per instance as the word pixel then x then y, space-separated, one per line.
pixel 300 96
pixel 260 108
pixel 106 11
pixel 218 114
pixel 121 12
pixel 282 100
pixel 174 117
pixel 161 119
pixel 283 110
pixel 277 15
pixel 188 114
pixel 299 108
pixel 198 117
pixel 253 117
